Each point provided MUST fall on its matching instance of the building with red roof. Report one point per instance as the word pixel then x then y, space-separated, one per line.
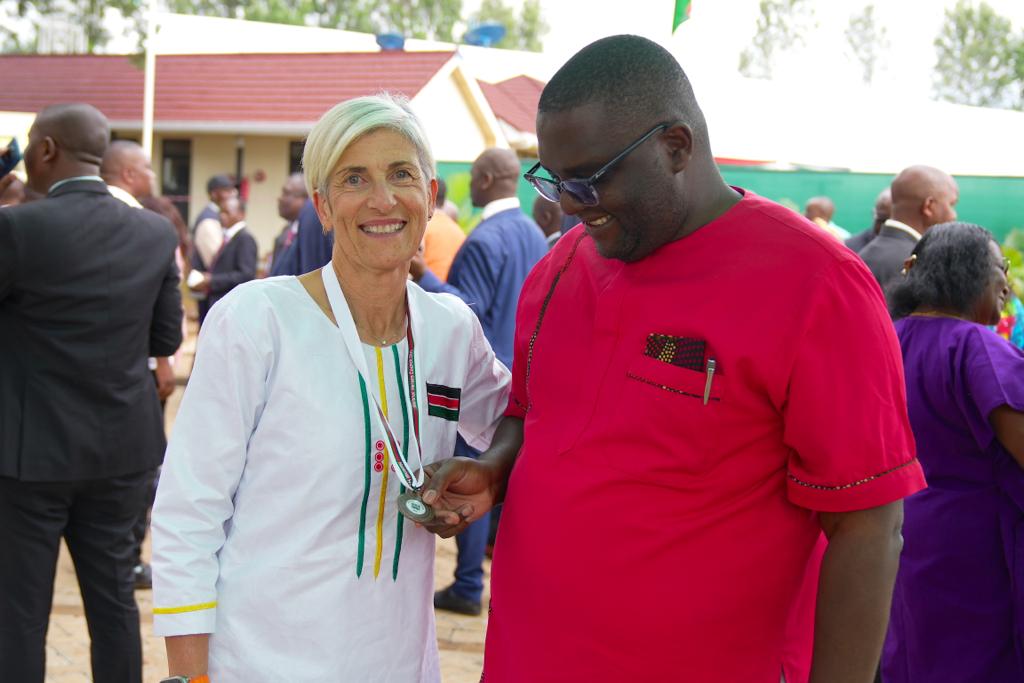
pixel 514 102
pixel 247 114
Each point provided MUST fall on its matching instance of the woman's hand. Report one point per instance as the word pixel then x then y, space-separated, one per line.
pixel 460 490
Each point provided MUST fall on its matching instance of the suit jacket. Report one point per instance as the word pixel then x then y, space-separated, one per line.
pixel 88 291
pixel 885 254
pixel 234 264
pixel 311 248
pixel 860 240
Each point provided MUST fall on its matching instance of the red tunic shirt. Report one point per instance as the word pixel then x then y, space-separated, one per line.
pixel 649 534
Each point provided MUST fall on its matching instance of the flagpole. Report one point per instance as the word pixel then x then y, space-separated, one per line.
pixel 150 80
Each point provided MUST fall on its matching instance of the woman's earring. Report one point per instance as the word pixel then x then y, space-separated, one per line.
pixel 908 265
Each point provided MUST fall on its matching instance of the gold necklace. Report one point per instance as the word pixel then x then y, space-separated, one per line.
pixel 381 341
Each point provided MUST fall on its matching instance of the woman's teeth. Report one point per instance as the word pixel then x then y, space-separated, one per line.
pixel 383 229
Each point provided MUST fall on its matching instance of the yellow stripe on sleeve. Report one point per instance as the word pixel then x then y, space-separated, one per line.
pixel 185 608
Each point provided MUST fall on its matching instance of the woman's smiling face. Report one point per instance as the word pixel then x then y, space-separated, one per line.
pixel 988 308
pixel 378 201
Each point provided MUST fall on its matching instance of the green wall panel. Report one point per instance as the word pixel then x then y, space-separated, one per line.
pixel 996 203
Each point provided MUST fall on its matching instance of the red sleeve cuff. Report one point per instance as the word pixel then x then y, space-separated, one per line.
pixel 872 491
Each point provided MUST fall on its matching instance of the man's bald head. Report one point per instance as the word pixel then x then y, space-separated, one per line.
pixel 819 207
pixel 923 196
pixel 292 198
pixel 66 140
pixel 126 165
pixel 80 130
pixel 494 175
pixel 548 215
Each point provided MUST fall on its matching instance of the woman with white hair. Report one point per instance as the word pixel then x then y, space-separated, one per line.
pixel 280 552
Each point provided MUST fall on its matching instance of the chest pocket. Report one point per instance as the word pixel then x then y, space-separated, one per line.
pixel 669 432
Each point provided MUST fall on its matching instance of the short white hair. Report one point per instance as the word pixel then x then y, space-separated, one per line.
pixel 347 121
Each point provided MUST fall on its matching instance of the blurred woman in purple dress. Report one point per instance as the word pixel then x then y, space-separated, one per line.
pixel 958 606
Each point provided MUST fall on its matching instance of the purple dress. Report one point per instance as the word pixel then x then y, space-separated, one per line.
pixel 958 607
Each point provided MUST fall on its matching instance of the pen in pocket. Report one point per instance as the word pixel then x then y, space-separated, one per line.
pixel 711 376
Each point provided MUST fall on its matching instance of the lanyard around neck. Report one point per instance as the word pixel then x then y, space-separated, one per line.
pixel 343 317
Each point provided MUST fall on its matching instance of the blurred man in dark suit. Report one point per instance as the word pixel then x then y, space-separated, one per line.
pixel 289 204
pixel 881 213
pixel 310 249
pixel 922 196
pixel 207 229
pixel 234 263
pixel 88 291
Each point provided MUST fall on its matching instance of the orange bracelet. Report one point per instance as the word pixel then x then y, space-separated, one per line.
pixel 199 679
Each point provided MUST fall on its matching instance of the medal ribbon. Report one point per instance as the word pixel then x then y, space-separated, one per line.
pixel 399 464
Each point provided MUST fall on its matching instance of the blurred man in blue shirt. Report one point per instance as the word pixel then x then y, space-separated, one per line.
pixel 487 274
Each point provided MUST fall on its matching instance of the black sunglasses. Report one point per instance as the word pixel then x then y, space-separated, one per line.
pixel 583 190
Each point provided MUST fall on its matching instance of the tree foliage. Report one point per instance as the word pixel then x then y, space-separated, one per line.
pixel 865 38
pixel 980 60
pixel 780 25
pixel 87 14
pixel 427 19
pixel 523 32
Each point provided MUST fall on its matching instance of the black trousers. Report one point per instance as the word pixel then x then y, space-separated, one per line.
pixel 141 525
pixel 95 518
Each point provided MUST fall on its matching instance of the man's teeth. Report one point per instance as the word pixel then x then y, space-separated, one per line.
pixel 383 229
pixel 599 221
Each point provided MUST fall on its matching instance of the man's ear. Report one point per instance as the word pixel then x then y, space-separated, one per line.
pixel 486 180
pixel 927 207
pixel 49 149
pixel 678 138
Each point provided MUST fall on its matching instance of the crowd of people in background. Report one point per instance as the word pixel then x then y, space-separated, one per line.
pixel 734 491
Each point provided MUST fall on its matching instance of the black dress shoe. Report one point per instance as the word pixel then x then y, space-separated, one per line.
pixel 447 600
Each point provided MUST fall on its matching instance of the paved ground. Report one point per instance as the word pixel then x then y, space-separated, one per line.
pixel 459 638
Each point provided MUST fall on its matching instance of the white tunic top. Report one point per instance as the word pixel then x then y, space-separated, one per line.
pixel 275 526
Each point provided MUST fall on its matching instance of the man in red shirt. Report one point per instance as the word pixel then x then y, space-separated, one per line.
pixel 703 383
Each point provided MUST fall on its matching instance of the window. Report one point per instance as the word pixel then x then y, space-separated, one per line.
pixel 295 156
pixel 175 173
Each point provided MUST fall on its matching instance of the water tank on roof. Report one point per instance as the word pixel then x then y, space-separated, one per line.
pixel 391 42
pixel 485 35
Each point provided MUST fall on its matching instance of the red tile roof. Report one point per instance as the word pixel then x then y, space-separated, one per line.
pixel 261 88
pixel 515 101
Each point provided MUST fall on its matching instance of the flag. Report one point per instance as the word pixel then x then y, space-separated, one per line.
pixel 682 13
pixel 443 401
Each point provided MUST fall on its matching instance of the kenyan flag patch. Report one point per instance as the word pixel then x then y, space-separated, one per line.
pixel 443 401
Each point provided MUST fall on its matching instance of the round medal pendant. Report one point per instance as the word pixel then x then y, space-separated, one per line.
pixel 410 505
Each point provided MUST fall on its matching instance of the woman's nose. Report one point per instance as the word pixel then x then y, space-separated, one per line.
pixel 382 198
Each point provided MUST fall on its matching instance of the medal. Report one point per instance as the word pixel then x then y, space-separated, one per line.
pixel 412 506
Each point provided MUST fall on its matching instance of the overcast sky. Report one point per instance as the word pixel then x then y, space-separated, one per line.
pixel 712 40
pixel 719 30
